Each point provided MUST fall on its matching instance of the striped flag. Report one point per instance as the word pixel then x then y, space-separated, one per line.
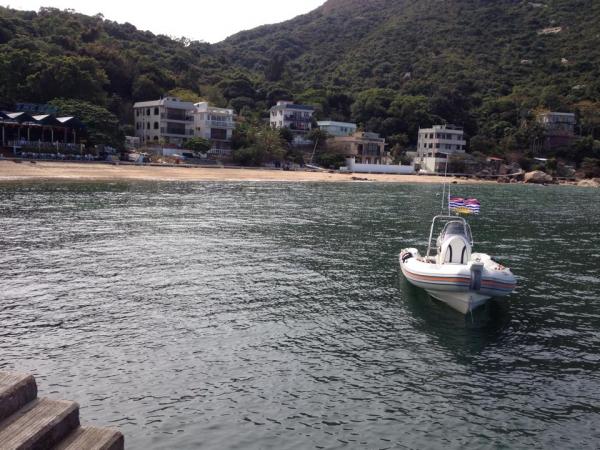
pixel 455 202
pixel 461 206
pixel 473 205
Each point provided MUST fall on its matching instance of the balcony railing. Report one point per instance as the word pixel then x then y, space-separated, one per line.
pixel 176 131
pixel 220 124
pixel 292 118
pixel 220 152
pixel 176 117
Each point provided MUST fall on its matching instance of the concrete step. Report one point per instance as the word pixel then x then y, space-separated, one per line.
pixel 92 438
pixel 39 425
pixel 16 390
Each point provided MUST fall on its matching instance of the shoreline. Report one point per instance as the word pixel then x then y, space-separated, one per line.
pixel 77 171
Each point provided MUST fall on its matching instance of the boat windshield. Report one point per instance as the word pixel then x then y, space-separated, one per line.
pixel 455 228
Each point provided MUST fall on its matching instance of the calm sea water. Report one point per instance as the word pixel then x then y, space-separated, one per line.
pixel 256 315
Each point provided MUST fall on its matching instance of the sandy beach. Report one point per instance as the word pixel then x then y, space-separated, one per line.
pixel 12 171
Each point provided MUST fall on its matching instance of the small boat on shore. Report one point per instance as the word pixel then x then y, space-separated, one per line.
pixel 454 274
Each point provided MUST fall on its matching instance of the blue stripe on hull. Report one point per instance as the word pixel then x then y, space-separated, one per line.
pixel 466 285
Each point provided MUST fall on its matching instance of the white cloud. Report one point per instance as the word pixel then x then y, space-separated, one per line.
pixel 207 20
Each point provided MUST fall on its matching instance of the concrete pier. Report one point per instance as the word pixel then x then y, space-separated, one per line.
pixel 31 423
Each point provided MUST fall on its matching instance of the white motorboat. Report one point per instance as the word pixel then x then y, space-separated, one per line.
pixel 454 274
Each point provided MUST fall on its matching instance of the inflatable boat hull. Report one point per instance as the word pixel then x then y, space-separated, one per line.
pixel 463 287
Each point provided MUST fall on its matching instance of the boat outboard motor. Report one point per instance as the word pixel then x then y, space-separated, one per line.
pixel 476 273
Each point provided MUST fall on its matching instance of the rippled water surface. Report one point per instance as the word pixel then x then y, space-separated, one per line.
pixel 230 315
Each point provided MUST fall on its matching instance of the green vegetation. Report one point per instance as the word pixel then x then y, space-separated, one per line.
pixel 389 65
pixel 197 145
pixel 395 65
pixel 258 143
pixel 55 54
pixel 102 127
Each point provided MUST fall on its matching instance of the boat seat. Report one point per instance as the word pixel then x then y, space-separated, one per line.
pixel 455 250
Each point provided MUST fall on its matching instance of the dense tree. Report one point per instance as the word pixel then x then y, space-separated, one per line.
pixel 197 145
pixel 257 143
pixel 372 104
pixel 239 103
pixel 67 77
pixel 589 116
pixel 239 87
pixel 186 95
pixel 275 68
pixel 101 126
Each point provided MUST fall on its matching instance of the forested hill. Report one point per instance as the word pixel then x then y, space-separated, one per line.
pixel 390 65
pixel 494 45
pixel 62 54
pixel 485 64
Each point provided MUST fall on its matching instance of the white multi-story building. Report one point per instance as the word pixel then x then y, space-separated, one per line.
pixel 171 121
pixel 216 125
pixel 436 144
pixel 298 118
pixel 337 129
pixel 168 121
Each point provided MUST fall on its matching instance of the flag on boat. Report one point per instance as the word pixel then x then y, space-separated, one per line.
pixel 455 202
pixel 473 205
pixel 463 206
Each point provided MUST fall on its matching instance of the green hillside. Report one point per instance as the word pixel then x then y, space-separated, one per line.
pixel 420 45
pixel 61 54
pixel 465 52
pixel 390 65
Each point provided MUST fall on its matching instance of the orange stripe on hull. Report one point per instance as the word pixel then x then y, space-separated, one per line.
pixel 437 278
pixel 450 279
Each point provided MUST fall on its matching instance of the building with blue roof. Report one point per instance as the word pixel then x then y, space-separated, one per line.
pixel 298 118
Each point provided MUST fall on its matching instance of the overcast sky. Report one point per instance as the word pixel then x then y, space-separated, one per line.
pixel 205 20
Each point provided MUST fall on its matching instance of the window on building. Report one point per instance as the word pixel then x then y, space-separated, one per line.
pixel 148 111
pixel 148 126
pixel 218 133
pixel 137 126
pixel 156 111
pixel 156 125
pixel 437 145
pixel 137 112
pixel 156 138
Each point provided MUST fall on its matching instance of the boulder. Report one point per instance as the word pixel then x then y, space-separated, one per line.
pixel 594 182
pixel 537 177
